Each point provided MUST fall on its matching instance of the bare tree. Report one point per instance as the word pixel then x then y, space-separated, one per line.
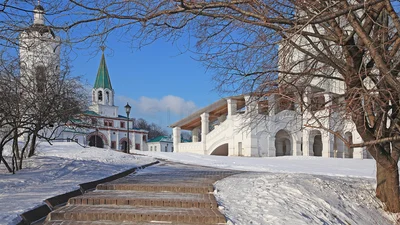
pixel 154 129
pixel 353 44
pixel 25 111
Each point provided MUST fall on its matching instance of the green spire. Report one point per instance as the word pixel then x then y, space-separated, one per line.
pixel 103 79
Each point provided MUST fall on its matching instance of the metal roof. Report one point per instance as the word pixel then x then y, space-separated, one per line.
pixel 103 78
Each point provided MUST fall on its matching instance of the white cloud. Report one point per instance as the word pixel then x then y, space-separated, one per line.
pixel 173 104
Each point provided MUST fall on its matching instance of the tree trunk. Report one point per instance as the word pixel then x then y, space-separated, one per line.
pixel 387 187
pixel 23 151
pixel 15 145
pixel 33 144
pixel 6 164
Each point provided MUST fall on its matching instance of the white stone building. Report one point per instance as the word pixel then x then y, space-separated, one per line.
pixel 269 127
pixel 160 144
pixel 238 126
pixel 101 126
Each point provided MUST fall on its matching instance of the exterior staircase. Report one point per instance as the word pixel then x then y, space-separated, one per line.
pixel 177 194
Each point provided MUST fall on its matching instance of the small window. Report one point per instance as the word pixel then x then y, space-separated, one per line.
pixel 100 96
pixel 151 148
pixel 155 148
pixel 166 148
pixel 284 103
pixel 144 138
pixel 113 144
pixel 94 121
pixel 317 103
pixel 122 124
pixel 40 78
pixel 137 146
pixel 263 107
pixel 108 123
pixel 107 97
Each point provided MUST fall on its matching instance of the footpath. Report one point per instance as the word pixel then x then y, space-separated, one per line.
pixel 167 193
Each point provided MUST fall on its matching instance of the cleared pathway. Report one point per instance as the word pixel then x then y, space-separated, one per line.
pixel 167 193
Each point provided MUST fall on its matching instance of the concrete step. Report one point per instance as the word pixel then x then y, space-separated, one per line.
pixel 184 187
pixel 122 213
pixel 138 198
pixel 65 222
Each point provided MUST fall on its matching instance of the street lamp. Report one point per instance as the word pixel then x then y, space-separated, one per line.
pixel 127 110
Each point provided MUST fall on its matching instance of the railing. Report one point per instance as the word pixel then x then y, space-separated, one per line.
pixel 218 130
pixel 192 147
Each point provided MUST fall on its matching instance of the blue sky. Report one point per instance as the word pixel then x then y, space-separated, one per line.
pixel 161 83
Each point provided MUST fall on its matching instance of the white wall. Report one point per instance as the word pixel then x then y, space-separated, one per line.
pixel 160 146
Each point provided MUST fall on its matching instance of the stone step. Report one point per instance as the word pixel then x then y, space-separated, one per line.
pixel 65 222
pixel 122 213
pixel 187 187
pixel 137 198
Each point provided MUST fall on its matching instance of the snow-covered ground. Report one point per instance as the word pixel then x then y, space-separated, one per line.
pixel 282 190
pixel 294 190
pixel 55 170
pixel 285 164
pixel 299 199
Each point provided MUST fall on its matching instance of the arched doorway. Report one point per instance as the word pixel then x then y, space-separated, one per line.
pixel 283 144
pixel 317 145
pixel 124 146
pixel 349 151
pixel 96 141
pixel 221 150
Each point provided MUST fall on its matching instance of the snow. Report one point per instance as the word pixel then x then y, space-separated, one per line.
pixel 299 199
pixel 280 190
pixel 294 190
pixel 284 164
pixel 55 170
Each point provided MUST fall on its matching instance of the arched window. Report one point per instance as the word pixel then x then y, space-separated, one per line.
pixel 100 96
pixel 40 75
pixel 317 103
pixel 107 97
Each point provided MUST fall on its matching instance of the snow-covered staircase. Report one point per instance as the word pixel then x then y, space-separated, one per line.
pixel 167 194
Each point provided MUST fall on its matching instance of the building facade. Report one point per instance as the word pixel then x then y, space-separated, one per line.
pixel 160 144
pixel 241 126
pixel 101 126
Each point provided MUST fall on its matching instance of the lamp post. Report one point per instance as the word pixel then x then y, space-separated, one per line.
pixel 127 110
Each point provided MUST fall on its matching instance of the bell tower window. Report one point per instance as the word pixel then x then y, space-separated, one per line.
pixel 100 96
pixel 107 97
pixel 40 75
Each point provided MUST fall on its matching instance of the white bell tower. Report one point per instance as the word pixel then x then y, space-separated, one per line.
pixel 39 52
pixel 103 93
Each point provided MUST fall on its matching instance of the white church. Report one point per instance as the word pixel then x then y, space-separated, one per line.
pixel 100 126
